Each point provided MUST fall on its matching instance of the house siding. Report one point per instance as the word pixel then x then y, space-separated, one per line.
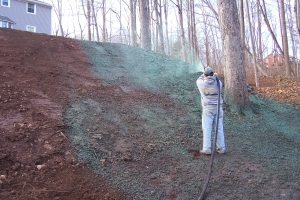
pixel 270 60
pixel 17 12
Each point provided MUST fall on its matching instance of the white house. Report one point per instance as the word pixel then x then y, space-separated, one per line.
pixel 27 15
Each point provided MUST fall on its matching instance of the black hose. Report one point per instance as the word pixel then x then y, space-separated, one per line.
pixel 214 144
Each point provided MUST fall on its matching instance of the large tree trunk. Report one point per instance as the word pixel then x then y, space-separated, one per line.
pixel 192 32
pixel 166 5
pixel 259 50
pixel 95 20
pixel 196 46
pixel 236 94
pixel 156 25
pixel 89 18
pixel 87 15
pixel 103 20
pixel 297 16
pixel 160 28
pixel 182 37
pixel 145 24
pixel 253 47
pixel 133 22
pixel 291 31
pixel 285 41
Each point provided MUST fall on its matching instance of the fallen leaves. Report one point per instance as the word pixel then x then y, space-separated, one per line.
pixel 283 89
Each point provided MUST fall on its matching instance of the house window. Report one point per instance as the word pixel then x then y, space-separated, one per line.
pixel 4 24
pixel 5 3
pixel 31 8
pixel 30 28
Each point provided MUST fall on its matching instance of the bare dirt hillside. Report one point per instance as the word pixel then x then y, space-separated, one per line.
pixel 85 120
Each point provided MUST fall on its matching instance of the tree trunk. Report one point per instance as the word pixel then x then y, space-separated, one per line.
pixel 59 15
pixel 95 20
pixel 59 2
pixel 291 29
pixel 253 47
pixel 259 36
pixel 285 41
pixel 133 22
pixel 104 21
pixel 89 18
pixel 189 28
pixel 120 22
pixel 145 24
pixel 236 94
pixel 161 31
pixel 297 16
pixel 156 26
pixel 194 40
pixel 207 48
pixel 242 24
pixel 264 13
pixel 78 20
pixel 182 37
pixel 196 45
pixel 166 25
pixel 206 40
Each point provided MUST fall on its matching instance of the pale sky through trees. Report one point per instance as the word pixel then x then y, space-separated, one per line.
pixel 73 18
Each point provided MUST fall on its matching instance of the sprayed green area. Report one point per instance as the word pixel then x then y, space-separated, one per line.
pixel 278 136
pixel 271 135
pixel 142 146
pixel 152 126
pixel 122 64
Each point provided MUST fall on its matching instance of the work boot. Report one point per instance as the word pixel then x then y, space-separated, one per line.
pixel 221 151
pixel 206 152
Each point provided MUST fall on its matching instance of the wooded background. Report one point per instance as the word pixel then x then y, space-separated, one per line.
pixel 189 29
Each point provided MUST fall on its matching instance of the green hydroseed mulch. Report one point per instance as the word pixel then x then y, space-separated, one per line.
pixel 142 145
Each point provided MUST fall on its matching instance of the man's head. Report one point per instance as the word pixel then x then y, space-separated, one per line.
pixel 208 71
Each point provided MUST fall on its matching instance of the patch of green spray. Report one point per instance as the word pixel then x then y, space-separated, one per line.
pixel 121 64
pixel 259 137
pixel 274 111
pixel 77 118
pixel 270 135
pixel 156 126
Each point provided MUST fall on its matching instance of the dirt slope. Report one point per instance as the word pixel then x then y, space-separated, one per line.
pixel 109 121
pixel 39 75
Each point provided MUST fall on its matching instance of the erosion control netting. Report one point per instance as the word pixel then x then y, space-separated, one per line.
pixel 139 137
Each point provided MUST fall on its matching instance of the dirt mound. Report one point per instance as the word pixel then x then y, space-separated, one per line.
pixel 85 120
pixel 39 75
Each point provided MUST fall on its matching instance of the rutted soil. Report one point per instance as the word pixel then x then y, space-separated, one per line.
pixel 84 120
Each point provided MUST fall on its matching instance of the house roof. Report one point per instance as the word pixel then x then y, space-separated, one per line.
pixel 37 2
pixel 6 19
